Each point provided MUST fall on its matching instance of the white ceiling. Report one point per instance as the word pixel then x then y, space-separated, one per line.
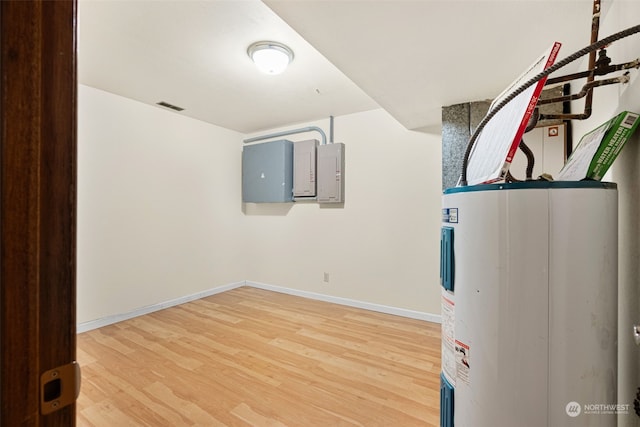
pixel 408 57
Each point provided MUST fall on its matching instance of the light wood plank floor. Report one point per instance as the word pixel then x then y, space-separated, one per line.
pixel 250 357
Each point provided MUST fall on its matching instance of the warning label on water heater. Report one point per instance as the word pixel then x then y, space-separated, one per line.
pixel 463 362
pixel 448 345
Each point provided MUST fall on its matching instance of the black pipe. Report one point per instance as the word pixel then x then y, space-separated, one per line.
pixel 578 54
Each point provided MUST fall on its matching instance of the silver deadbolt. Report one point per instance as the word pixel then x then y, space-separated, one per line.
pixel 636 334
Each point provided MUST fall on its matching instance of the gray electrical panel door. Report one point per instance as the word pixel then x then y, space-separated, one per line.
pixel 331 173
pixel 267 172
pixel 304 168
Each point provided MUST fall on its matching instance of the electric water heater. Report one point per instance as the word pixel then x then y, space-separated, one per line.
pixel 529 305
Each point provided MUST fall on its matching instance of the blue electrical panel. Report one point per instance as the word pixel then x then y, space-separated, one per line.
pixel 447 259
pixel 446 402
pixel 267 172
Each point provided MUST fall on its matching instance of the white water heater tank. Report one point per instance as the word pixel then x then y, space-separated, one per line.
pixel 529 305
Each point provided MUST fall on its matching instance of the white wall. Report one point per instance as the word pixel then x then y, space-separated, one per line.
pixel 158 205
pixel 608 101
pixel 160 215
pixel 382 246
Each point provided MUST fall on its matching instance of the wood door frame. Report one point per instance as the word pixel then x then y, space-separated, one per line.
pixel 38 88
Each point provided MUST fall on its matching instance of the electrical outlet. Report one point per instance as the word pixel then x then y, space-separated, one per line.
pixel 326 277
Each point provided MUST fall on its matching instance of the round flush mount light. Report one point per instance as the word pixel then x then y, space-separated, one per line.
pixel 270 57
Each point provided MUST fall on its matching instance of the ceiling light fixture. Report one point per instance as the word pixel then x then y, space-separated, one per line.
pixel 270 57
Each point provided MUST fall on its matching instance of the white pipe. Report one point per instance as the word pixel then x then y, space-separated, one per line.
pixel 331 129
pixel 289 132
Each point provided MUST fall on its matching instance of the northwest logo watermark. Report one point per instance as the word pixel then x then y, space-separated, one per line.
pixel 574 409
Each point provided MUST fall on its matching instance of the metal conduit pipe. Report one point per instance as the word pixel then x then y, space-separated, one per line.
pixel 331 129
pixel 289 132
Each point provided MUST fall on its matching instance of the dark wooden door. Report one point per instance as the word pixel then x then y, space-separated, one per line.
pixel 37 205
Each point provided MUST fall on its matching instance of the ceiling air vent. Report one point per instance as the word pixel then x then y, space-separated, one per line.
pixel 173 107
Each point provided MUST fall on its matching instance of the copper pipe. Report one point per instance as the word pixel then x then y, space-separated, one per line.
pixel 595 26
pixel 598 72
pixel 563 62
pixel 586 89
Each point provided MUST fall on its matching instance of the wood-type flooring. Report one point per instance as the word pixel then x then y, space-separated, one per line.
pixel 250 357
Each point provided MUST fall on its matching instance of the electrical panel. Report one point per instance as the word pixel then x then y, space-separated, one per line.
pixel 304 168
pixel 267 172
pixel 330 173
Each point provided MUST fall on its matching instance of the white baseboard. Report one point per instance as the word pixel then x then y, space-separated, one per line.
pixel 109 320
pixel 412 314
